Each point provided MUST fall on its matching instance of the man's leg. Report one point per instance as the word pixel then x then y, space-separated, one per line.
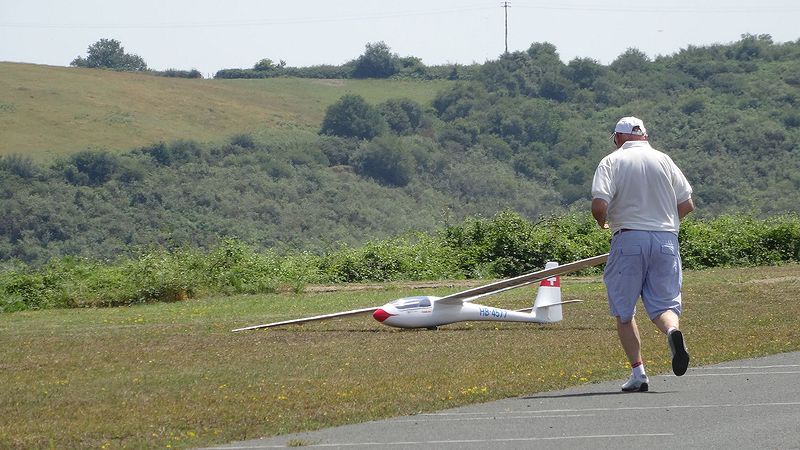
pixel 662 292
pixel 631 342
pixel 667 320
pixel 668 323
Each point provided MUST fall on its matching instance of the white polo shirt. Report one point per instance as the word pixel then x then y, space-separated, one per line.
pixel 643 188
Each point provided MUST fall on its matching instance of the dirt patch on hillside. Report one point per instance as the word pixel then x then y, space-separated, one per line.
pixel 331 82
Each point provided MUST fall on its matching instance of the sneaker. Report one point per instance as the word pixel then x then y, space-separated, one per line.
pixel 636 384
pixel 680 357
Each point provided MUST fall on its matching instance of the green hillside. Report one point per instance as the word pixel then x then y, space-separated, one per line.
pixel 47 111
pixel 192 161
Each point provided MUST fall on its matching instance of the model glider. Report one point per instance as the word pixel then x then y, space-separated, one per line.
pixel 429 312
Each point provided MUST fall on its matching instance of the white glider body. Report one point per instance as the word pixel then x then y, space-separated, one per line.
pixel 430 312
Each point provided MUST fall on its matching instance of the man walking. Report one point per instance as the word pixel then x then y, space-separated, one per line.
pixel 642 195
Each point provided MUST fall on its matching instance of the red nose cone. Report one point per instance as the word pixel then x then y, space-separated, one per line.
pixel 381 315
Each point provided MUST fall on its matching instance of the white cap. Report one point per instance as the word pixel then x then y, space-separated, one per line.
pixel 627 125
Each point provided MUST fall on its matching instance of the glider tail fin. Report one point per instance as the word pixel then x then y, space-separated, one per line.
pixel 547 306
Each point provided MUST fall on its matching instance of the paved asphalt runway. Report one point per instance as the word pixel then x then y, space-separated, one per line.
pixel 745 404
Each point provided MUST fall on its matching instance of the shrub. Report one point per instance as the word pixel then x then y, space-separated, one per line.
pixel 91 168
pixel 403 115
pixel 234 267
pixel 109 54
pixel 417 257
pixel 338 150
pixel 386 160
pixel 244 140
pixel 378 61
pixel 739 241
pixel 352 116
pixel 509 245
pixel 175 73
pixel 19 165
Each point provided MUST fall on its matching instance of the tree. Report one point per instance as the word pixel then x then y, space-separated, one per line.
pixel 403 115
pixel 545 54
pixel 386 160
pixel 584 72
pixel 19 165
pixel 632 61
pixel 352 116
pixel 378 61
pixel 90 168
pixel 267 65
pixel 460 100
pixel 109 54
pixel 750 47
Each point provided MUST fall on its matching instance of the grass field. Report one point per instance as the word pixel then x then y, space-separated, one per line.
pixel 172 375
pixel 46 111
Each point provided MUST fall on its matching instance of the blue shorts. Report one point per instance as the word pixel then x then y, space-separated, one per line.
pixel 646 264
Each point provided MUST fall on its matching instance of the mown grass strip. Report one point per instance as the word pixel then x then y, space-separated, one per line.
pixel 174 375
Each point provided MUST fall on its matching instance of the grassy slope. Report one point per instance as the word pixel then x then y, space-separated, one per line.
pixel 172 375
pixel 47 111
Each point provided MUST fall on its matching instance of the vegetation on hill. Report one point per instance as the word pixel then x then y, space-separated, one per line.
pixel 377 61
pixel 109 54
pixel 286 195
pixel 524 135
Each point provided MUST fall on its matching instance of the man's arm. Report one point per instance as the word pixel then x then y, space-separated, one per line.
pixel 684 208
pixel 599 211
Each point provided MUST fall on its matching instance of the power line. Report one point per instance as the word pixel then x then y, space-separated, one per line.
pixel 577 8
pixel 760 9
pixel 245 23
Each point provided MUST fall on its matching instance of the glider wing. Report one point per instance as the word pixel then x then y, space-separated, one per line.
pixel 522 280
pixel 352 312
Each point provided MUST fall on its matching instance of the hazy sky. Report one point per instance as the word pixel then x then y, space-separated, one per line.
pixel 211 35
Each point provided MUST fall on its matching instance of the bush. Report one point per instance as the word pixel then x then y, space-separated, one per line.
pixel 109 54
pixel 51 286
pixel 418 257
pixel 234 267
pixel 242 73
pixel 175 73
pixel 404 116
pixel 509 245
pixel 378 61
pixel 352 116
pixel 91 168
pixel 19 165
pixel 386 160
pixel 739 241
pixel 338 150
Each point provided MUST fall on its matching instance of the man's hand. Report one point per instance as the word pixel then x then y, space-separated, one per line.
pixel 685 208
pixel 599 210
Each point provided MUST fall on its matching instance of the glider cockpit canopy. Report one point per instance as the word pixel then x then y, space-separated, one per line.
pixel 420 301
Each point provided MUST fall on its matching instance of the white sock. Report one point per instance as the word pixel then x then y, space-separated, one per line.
pixel 638 370
pixel 670 330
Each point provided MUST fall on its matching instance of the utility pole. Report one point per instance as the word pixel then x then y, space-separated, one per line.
pixel 506 6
